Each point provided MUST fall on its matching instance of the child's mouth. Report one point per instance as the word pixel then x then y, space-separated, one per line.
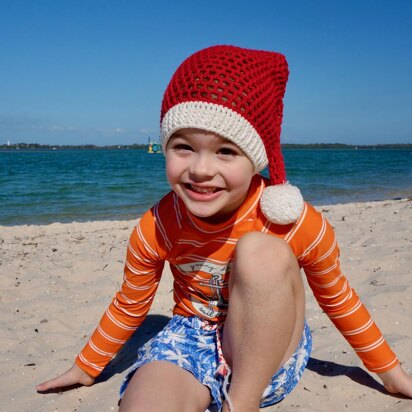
pixel 202 189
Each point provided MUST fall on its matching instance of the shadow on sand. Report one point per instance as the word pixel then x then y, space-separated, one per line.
pixel 355 373
pixel 127 355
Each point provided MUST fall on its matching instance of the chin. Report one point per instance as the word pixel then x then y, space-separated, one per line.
pixel 203 215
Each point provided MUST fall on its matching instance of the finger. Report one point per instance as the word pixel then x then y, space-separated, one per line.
pixel 42 387
pixel 45 386
pixel 59 382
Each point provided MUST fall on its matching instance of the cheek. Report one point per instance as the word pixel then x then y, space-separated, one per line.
pixel 242 175
pixel 173 169
pixel 241 182
pixel 170 173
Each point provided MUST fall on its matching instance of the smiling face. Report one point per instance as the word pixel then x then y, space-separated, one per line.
pixel 210 174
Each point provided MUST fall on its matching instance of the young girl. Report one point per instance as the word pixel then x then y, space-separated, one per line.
pixel 235 242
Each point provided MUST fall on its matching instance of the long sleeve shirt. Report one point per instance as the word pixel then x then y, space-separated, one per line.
pixel 200 256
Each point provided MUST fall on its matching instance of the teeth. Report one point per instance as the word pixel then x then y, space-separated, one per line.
pixel 203 189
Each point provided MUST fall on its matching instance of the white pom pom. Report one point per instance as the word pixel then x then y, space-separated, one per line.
pixel 282 204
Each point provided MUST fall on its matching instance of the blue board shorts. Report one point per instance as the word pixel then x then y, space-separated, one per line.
pixel 192 344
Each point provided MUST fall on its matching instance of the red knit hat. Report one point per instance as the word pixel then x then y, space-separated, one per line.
pixel 238 94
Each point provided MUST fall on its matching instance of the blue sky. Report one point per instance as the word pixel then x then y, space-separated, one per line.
pixel 77 72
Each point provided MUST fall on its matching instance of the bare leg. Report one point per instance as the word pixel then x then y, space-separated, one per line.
pixel 265 316
pixel 163 386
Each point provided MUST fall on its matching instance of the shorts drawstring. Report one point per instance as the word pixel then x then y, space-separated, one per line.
pixel 223 370
pixel 225 385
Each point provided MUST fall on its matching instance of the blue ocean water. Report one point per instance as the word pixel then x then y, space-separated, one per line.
pixel 41 187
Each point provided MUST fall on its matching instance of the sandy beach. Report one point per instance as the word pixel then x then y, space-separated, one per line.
pixel 57 280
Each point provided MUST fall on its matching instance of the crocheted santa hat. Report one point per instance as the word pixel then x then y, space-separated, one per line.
pixel 238 94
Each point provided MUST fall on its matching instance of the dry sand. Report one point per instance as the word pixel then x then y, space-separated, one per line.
pixel 57 280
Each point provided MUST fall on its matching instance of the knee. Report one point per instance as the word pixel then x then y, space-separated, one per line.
pixel 266 255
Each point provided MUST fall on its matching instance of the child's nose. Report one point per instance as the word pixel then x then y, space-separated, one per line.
pixel 202 166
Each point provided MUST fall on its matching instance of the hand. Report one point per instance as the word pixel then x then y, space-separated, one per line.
pixel 74 376
pixel 396 380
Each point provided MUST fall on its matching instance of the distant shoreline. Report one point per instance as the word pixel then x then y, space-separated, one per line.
pixel 336 146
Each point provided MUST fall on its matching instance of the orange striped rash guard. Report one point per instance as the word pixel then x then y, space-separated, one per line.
pixel 200 256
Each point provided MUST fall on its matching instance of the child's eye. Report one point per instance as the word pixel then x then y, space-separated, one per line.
pixel 227 151
pixel 182 146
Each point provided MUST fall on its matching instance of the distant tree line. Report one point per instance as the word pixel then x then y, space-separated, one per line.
pixel 346 146
pixel 37 146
